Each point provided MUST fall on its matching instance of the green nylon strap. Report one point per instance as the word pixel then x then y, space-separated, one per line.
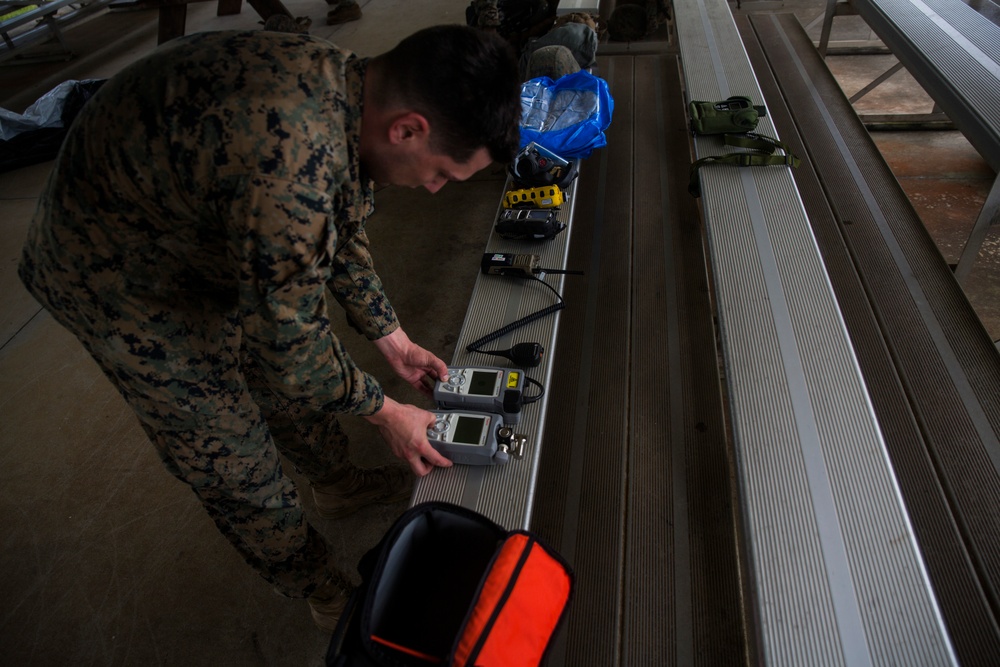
pixel 756 142
pixel 765 156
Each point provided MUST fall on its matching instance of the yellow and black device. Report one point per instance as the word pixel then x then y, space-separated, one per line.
pixel 483 389
pixel 548 196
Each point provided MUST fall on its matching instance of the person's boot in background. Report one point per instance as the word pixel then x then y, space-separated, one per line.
pixel 342 11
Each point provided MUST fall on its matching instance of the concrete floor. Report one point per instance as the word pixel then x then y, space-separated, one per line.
pixel 106 559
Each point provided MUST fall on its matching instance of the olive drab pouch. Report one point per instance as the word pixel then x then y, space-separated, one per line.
pixel 736 114
pixel 736 118
pixel 447 586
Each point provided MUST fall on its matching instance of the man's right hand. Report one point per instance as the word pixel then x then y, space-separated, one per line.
pixel 404 427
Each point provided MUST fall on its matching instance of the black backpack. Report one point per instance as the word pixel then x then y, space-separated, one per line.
pixel 448 586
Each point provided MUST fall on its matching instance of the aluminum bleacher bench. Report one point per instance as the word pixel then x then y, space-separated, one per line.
pixel 953 51
pixel 930 367
pixel 569 6
pixel 634 481
pixel 506 493
pixel 173 13
pixel 40 12
pixel 48 23
pixel 832 570
pixel 49 17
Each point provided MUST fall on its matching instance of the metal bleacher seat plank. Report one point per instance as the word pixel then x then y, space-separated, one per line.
pixel 173 13
pixel 929 365
pixel 40 11
pixel 953 51
pixel 506 493
pixel 834 575
pixel 569 6
pixel 633 484
pixel 48 19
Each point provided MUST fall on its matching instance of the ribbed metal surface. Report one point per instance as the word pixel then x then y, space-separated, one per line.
pixel 505 493
pixel 680 547
pixel 657 576
pixel 598 433
pixel 954 52
pixel 837 578
pixel 941 461
pixel 568 6
pixel 634 479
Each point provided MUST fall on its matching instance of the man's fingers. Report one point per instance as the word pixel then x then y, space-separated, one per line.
pixel 434 457
pixel 419 466
pixel 422 465
pixel 437 459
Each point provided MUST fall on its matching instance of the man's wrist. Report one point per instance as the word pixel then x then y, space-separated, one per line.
pixel 393 343
pixel 382 332
pixel 384 414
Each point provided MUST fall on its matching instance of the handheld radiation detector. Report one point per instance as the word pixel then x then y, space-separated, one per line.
pixel 474 438
pixel 482 389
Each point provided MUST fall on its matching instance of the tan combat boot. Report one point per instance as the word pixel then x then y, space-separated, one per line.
pixel 343 11
pixel 327 603
pixel 356 488
pixel 284 23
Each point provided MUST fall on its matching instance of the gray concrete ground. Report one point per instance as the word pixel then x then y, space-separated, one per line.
pixel 106 560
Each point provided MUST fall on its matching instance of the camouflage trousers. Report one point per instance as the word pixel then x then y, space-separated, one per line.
pixel 211 416
pixel 235 472
pixel 230 456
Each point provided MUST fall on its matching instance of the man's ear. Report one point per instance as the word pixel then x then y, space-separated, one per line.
pixel 408 127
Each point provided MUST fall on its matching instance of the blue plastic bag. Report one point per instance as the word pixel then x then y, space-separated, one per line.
pixel 568 116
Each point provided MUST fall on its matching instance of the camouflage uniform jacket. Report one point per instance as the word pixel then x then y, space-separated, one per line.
pixel 202 203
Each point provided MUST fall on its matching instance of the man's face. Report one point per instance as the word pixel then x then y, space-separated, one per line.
pixel 413 164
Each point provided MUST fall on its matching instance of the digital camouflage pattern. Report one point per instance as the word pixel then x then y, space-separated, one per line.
pixel 553 61
pixel 203 202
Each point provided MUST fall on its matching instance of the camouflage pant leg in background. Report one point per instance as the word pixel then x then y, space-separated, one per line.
pixel 235 472
pixel 231 463
pixel 178 367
